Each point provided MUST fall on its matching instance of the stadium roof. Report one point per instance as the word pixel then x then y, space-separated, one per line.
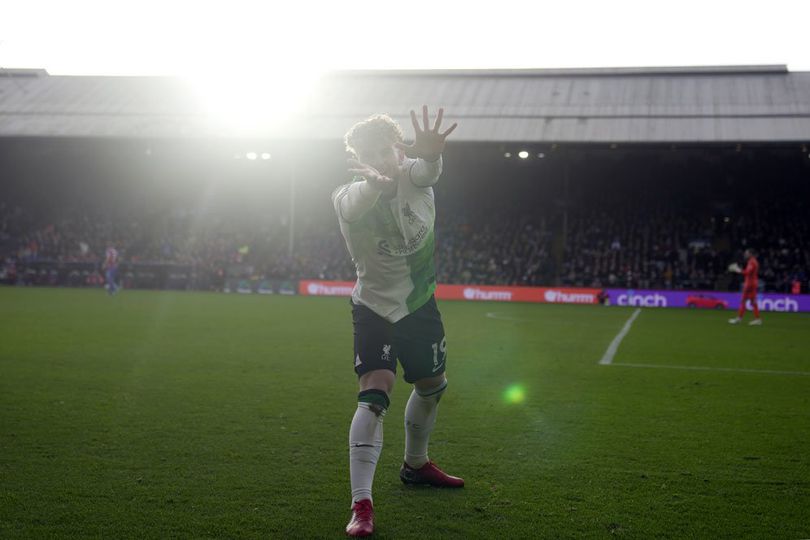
pixel 734 104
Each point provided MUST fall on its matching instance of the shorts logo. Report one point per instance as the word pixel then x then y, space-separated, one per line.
pixel 357 361
pixel 386 354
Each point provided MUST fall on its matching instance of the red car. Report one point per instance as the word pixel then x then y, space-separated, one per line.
pixel 707 302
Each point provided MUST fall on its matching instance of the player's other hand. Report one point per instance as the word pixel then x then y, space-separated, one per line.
pixel 428 144
pixel 372 175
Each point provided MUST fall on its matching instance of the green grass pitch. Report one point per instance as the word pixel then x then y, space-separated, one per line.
pixel 188 415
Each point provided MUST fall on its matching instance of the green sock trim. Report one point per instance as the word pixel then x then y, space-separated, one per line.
pixel 432 391
pixel 374 397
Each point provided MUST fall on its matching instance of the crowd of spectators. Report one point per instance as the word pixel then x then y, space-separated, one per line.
pixel 635 241
pixel 503 250
pixel 621 243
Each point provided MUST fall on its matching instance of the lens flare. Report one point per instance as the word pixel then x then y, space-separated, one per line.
pixel 514 394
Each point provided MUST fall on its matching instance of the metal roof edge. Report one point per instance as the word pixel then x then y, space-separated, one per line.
pixel 769 69
pixel 14 73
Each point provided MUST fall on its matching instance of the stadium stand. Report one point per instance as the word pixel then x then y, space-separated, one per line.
pixel 635 177
pixel 616 235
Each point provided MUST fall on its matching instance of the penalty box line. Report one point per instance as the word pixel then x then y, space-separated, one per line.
pixel 607 358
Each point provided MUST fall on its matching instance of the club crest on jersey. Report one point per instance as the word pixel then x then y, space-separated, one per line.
pixel 409 214
pixel 386 354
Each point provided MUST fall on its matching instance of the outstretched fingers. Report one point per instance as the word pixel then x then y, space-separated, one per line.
pixel 426 138
pixel 438 123
pixel 449 130
pixel 415 122
pixel 360 169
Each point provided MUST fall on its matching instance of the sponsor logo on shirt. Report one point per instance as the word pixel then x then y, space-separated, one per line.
pixel 384 248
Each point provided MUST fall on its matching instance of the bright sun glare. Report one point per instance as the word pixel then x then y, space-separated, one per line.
pixel 255 101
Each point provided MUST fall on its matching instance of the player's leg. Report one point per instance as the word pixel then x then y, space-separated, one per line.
pixel 366 431
pixel 108 278
pixel 423 353
pixel 420 417
pixel 375 364
pixel 757 320
pixel 422 349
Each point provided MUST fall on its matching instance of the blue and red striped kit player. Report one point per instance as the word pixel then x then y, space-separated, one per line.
pixel 111 270
pixel 750 287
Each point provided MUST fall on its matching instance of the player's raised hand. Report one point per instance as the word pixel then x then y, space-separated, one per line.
pixel 428 144
pixel 371 174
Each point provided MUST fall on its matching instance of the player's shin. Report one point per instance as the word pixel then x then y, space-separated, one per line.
pixel 420 417
pixel 365 441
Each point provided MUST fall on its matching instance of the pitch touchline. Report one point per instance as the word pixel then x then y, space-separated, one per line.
pixel 607 359
pixel 704 368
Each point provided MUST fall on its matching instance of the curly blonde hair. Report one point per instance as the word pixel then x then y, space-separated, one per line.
pixel 378 126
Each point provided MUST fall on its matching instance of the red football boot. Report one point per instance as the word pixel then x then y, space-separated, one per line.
pixel 429 474
pixel 362 523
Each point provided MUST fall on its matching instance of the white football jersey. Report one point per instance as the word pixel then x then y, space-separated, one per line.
pixel 391 243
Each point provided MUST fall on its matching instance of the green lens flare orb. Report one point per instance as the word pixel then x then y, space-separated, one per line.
pixel 514 394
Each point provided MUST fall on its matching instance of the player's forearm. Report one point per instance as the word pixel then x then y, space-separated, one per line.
pixel 353 201
pixel 425 173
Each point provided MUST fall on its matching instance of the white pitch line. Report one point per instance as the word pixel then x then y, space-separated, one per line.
pixel 500 317
pixel 705 368
pixel 607 359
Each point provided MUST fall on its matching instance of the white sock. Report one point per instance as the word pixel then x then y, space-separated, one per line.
pixel 365 444
pixel 420 416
